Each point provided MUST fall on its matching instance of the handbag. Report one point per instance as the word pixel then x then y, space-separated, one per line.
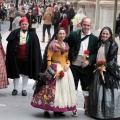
pixel 45 77
pixel 35 25
pixel 49 73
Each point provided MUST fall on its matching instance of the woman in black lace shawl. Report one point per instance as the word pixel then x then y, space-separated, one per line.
pixel 104 102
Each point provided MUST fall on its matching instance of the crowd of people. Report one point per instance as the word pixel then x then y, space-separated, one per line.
pixel 72 54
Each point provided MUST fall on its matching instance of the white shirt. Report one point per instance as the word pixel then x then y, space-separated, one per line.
pixel 23 37
pixel 84 44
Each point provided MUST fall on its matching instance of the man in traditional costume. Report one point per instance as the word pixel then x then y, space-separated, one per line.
pixel 23 55
pixel 80 41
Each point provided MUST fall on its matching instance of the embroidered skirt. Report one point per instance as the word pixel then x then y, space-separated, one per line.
pixel 3 75
pixel 59 95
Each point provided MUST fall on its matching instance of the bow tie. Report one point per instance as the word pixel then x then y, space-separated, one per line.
pixel 24 31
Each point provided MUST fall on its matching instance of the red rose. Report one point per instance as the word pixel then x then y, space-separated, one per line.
pixel 86 52
pixel 101 62
pixel 61 74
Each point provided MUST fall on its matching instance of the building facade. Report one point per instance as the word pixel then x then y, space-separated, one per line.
pixel 100 11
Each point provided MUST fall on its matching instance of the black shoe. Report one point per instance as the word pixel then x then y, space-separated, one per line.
pixel 47 114
pixel 24 93
pixel 59 114
pixel 55 114
pixel 14 92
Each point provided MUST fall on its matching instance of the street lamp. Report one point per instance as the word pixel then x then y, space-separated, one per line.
pixel 114 21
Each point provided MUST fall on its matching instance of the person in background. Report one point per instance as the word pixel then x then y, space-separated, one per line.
pixel 31 6
pixel 72 14
pixel 64 23
pixel 36 9
pixel 58 94
pixel 31 18
pixel 77 20
pixel 21 58
pixel 104 91
pixel 40 13
pixel 22 11
pixel 4 14
pixel 26 7
pixel 47 22
pixel 117 30
pixel 17 19
pixel 11 15
pixel 82 55
pixel 56 18
pixel 35 13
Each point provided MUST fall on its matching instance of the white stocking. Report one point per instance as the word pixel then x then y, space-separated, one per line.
pixel 24 82
pixel 15 83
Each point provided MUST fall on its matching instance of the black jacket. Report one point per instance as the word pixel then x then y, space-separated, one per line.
pixel 56 18
pixel 33 52
pixel 30 19
pixel 74 41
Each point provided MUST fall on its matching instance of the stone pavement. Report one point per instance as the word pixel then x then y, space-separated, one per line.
pixel 18 107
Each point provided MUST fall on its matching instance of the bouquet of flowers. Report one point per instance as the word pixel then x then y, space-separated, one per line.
pixel 61 74
pixel 86 54
pixel 101 66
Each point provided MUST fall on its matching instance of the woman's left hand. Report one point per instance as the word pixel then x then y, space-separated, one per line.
pixel 85 64
pixel 66 67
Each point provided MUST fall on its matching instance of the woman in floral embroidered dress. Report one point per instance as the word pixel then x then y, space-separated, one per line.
pixel 3 74
pixel 59 95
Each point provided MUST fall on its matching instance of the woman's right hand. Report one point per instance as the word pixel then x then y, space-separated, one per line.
pixel 66 67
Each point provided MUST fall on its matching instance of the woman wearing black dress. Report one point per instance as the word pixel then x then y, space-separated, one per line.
pixel 104 101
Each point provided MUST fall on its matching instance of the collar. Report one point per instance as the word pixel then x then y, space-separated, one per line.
pixel 24 31
pixel 85 35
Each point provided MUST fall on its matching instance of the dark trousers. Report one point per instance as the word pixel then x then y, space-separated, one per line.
pixel 39 19
pixel 82 74
pixel 23 66
pixel 71 28
pixel 56 27
pixel 11 21
pixel 48 29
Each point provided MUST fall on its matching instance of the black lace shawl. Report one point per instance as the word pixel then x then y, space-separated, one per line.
pixel 112 74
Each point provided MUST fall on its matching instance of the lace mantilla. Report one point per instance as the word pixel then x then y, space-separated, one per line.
pixel 56 46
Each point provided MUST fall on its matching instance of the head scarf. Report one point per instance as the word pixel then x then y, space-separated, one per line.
pixel 23 19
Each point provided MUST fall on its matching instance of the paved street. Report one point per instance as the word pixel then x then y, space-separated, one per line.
pixel 18 107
